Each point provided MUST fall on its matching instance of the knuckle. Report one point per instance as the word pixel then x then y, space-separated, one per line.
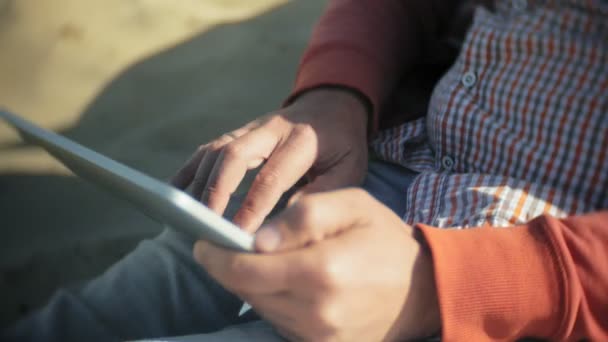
pixel 267 179
pixel 306 212
pixel 304 130
pixel 214 146
pixel 233 151
pixel 327 274
pixel 226 137
pixel 210 194
pixel 358 193
pixel 325 319
pixel 211 190
pixel 275 120
pixel 249 207
pixel 241 269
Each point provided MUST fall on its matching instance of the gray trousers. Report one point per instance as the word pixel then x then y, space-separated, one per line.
pixel 158 290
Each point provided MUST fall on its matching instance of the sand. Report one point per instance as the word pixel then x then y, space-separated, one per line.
pixel 144 82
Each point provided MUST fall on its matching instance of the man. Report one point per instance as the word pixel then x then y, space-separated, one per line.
pixel 515 135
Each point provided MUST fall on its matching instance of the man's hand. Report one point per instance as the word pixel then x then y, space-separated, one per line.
pixel 335 266
pixel 321 136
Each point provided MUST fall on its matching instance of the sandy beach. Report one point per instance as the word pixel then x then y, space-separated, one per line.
pixel 144 82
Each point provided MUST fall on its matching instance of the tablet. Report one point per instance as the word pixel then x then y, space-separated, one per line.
pixel 156 199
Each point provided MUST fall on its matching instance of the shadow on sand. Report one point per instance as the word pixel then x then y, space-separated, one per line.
pixel 59 230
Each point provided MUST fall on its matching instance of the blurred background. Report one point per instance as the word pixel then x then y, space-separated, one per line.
pixel 142 81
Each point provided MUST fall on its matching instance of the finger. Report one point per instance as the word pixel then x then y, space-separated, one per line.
pixel 202 173
pixel 185 174
pixel 245 273
pixel 287 164
pixel 212 152
pixel 232 164
pixel 315 218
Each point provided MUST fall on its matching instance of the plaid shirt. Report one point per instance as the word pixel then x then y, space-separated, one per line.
pixel 518 126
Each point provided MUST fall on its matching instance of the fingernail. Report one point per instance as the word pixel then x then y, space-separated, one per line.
pixel 267 239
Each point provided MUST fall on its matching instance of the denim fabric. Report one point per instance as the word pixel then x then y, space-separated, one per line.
pixel 158 290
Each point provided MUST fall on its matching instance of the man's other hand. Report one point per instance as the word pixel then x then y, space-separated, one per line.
pixel 321 136
pixel 334 266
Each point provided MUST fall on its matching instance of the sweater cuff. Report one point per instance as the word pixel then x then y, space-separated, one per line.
pixel 496 283
pixel 350 70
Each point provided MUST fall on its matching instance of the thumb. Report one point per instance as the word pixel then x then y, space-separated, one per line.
pixel 314 218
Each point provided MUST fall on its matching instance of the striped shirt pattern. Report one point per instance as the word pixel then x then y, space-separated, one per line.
pixel 518 126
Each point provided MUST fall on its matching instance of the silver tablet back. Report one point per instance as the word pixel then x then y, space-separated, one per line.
pixel 157 199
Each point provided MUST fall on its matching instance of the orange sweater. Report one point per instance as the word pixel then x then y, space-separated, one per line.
pixel 547 279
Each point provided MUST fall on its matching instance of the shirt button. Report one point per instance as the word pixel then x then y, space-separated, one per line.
pixel 520 5
pixel 447 162
pixel 469 79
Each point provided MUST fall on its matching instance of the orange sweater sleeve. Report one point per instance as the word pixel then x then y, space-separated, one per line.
pixel 366 45
pixel 547 279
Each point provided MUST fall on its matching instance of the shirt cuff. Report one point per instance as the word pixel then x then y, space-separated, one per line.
pixel 348 70
pixel 496 283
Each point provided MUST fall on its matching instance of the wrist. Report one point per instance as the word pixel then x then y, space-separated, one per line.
pixel 420 316
pixel 354 105
pixel 430 319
